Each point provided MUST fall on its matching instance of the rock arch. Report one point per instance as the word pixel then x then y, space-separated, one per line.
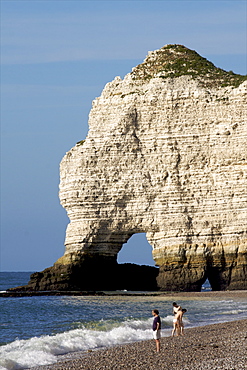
pixel 165 155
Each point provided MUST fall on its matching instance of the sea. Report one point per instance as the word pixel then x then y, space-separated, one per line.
pixel 37 330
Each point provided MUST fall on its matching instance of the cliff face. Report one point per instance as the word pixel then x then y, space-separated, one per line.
pixel 165 155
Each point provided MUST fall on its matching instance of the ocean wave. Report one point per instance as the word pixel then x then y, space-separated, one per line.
pixel 232 312
pixel 43 350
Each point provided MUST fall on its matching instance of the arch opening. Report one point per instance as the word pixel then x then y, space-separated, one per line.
pixel 136 267
pixel 206 286
pixel 136 250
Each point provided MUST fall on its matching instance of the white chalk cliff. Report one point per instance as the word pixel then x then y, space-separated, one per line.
pixel 165 155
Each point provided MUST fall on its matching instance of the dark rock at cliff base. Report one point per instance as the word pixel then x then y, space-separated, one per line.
pixel 93 275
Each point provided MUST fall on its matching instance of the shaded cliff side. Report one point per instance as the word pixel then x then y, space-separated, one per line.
pixel 165 155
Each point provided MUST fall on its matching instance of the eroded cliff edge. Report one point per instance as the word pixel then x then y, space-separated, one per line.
pixel 165 155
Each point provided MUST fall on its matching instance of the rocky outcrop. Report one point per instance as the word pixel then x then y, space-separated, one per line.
pixel 93 273
pixel 165 155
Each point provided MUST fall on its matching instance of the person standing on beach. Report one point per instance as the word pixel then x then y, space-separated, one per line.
pixel 178 325
pixel 156 329
pixel 181 321
pixel 176 328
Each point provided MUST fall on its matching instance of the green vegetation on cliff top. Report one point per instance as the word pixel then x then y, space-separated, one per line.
pixel 177 60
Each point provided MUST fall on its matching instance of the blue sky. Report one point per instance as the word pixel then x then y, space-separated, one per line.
pixel 56 57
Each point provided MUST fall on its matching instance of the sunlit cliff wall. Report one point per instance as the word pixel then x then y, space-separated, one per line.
pixel 165 155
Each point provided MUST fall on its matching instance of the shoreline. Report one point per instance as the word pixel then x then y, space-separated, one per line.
pixel 203 294
pixel 215 346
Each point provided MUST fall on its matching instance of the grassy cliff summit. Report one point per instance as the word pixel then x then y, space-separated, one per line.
pixel 177 60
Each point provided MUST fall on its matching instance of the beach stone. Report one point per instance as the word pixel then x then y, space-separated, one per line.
pixel 165 155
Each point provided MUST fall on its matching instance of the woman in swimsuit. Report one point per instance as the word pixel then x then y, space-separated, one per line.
pixel 178 325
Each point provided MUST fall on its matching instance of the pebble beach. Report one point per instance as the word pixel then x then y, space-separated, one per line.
pixel 217 346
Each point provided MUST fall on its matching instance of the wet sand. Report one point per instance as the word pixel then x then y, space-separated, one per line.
pixel 218 346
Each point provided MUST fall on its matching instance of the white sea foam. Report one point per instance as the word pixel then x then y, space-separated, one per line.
pixel 43 350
